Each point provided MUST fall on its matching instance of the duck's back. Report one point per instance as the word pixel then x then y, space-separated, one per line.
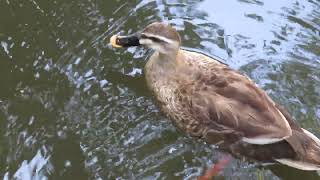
pixel 206 98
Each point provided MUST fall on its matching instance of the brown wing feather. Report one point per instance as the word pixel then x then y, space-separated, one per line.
pixel 229 99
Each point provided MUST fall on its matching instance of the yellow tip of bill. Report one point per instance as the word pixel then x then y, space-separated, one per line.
pixel 113 41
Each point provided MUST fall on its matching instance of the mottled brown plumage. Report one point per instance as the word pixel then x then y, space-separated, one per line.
pixel 206 96
pixel 206 99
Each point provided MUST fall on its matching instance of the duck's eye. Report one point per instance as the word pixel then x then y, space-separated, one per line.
pixel 154 39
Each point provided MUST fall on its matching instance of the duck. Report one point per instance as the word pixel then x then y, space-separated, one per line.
pixel 205 98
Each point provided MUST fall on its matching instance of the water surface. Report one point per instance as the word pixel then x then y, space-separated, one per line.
pixel 71 107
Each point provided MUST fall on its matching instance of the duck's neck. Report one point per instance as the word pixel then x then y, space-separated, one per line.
pixel 160 68
pixel 167 62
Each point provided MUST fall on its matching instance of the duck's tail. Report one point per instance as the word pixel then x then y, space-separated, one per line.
pixel 306 146
pixel 301 150
pixel 307 150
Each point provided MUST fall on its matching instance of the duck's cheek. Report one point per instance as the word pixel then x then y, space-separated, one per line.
pixel 146 42
pixel 159 48
pixel 150 44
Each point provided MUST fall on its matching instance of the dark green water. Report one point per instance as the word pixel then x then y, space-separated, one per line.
pixel 71 107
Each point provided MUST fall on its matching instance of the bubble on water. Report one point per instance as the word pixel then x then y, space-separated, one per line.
pixel 31 120
pixel 69 67
pixel 35 63
pixel 77 61
pixel 91 78
pixel 103 83
pixel 92 161
pixel 47 67
pixel 67 163
pixel 129 141
pixel 37 75
pixel 121 158
pixel 5 47
pixel 61 134
pixel 171 150
pixel 89 73
pixel 135 71
pixel 87 87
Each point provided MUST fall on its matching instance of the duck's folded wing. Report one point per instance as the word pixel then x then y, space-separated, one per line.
pixel 241 107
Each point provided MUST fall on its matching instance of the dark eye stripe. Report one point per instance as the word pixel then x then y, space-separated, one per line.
pixel 154 39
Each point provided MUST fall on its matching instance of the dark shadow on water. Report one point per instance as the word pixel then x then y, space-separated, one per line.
pixel 137 84
pixel 67 159
pixel 288 173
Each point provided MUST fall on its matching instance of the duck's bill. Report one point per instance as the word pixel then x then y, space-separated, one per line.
pixel 124 41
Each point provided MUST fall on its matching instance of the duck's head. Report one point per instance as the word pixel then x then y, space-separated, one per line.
pixel 159 36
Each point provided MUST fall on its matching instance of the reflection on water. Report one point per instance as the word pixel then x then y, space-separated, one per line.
pixel 71 107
